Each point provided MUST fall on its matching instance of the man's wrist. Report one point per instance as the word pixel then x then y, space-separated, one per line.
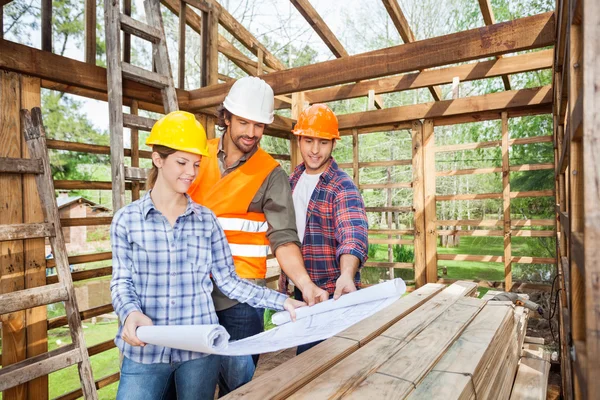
pixel 303 283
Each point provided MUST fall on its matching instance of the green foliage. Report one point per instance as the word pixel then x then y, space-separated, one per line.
pixel 372 251
pixel 403 253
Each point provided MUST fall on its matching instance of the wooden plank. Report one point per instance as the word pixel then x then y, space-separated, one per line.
pixel 407 35
pixel 10 165
pixel 488 18
pixel 531 382
pixel 140 29
pixel 498 259
pixel 83 275
pixel 137 122
pixel 493 170
pixel 372 164
pixel 391 231
pixel 414 360
pixel 34 367
pixel 506 204
pixel 135 151
pixel 136 174
pixel 355 158
pixel 429 211
pixel 493 143
pixel 391 241
pixel 35 252
pixel 25 231
pixel 85 314
pixel 84 258
pixel 389 209
pixel 144 76
pixel 419 204
pixel 90 32
pixel 320 27
pixel 46 30
pixel 33 297
pixel 350 372
pixel 181 54
pixel 12 268
pixel 494 222
pixel 482 196
pixel 86 185
pixel 525 33
pixel 467 72
pixel 398 185
pixel 383 264
pixel 508 100
pixel 591 152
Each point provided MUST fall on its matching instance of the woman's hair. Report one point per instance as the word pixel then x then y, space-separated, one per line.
pixel 163 152
pixel 223 115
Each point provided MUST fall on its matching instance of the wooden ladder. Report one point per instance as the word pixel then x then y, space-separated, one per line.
pixel 162 79
pixel 75 353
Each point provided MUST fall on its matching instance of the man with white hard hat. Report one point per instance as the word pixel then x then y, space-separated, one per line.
pixel 250 195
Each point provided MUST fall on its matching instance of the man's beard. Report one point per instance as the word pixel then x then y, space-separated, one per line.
pixel 242 147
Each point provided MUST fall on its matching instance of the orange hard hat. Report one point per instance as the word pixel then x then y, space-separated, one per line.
pixel 317 121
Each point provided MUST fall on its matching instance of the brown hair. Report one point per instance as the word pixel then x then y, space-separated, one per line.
pixel 223 115
pixel 163 152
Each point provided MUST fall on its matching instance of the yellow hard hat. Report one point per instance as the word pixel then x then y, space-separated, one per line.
pixel 179 130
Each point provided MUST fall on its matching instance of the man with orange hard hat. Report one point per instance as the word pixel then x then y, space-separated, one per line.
pixel 330 212
pixel 250 195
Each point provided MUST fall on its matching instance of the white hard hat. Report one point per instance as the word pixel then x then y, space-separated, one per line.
pixel 251 98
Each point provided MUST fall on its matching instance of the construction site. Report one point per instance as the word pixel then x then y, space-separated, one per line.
pixel 476 150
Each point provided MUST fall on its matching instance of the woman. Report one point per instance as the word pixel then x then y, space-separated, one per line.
pixel 165 249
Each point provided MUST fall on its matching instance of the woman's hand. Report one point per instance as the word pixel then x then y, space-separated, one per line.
pixel 132 322
pixel 290 306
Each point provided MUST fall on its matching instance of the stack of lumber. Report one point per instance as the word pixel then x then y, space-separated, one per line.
pixel 531 382
pixel 436 342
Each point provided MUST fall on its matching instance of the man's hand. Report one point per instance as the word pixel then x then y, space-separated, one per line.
pixel 343 285
pixel 313 294
pixel 134 320
pixel 290 306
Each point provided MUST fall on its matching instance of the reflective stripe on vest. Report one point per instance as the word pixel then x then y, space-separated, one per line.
pixel 248 250
pixel 243 225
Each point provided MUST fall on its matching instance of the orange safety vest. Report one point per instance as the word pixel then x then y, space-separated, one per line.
pixel 229 198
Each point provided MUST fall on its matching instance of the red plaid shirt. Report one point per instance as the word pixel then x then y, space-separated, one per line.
pixel 336 224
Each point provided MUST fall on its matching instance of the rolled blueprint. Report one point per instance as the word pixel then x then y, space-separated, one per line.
pixel 210 339
pixel 381 291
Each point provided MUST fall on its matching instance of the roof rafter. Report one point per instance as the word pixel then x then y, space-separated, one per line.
pixel 407 35
pixel 320 27
pixel 488 18
pixel 507 37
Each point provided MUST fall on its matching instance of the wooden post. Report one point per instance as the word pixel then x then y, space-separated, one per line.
pixel 182 24
pixel 298 104
pixel 12 268
pixel 389 215
pixel 577 202
pixel 355 158
pixel 47 25
pixel 259 65
pixel 90 32
pixel 135 153
pixel 209 71
pixel 591 174
pixel 35 257
pixel 127 36
pixel 430 213
pixel 418 204
pixel 115 97
pixel 506 204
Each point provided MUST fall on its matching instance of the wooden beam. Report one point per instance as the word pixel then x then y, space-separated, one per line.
pixel 33 62
pixel 418 171
pixel 591 155
pixel 467 72
pixel 320 27
pixel 488 19
pixel 508 37
pixel 12 268
pixel 506 204
pixel 430 212
pixel 46 30
pixel 90 32
pixel 407 35
pixel 495 102
pixel 181 55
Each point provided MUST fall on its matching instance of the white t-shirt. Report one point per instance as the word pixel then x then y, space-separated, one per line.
pixel 302 193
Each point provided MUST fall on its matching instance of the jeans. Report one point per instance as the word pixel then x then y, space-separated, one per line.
pixel 194 379
pixel 240 321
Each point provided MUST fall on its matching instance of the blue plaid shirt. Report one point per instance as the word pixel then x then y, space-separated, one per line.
pixel 165 273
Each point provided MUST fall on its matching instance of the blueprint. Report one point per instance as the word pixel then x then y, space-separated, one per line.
pixel 328 320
